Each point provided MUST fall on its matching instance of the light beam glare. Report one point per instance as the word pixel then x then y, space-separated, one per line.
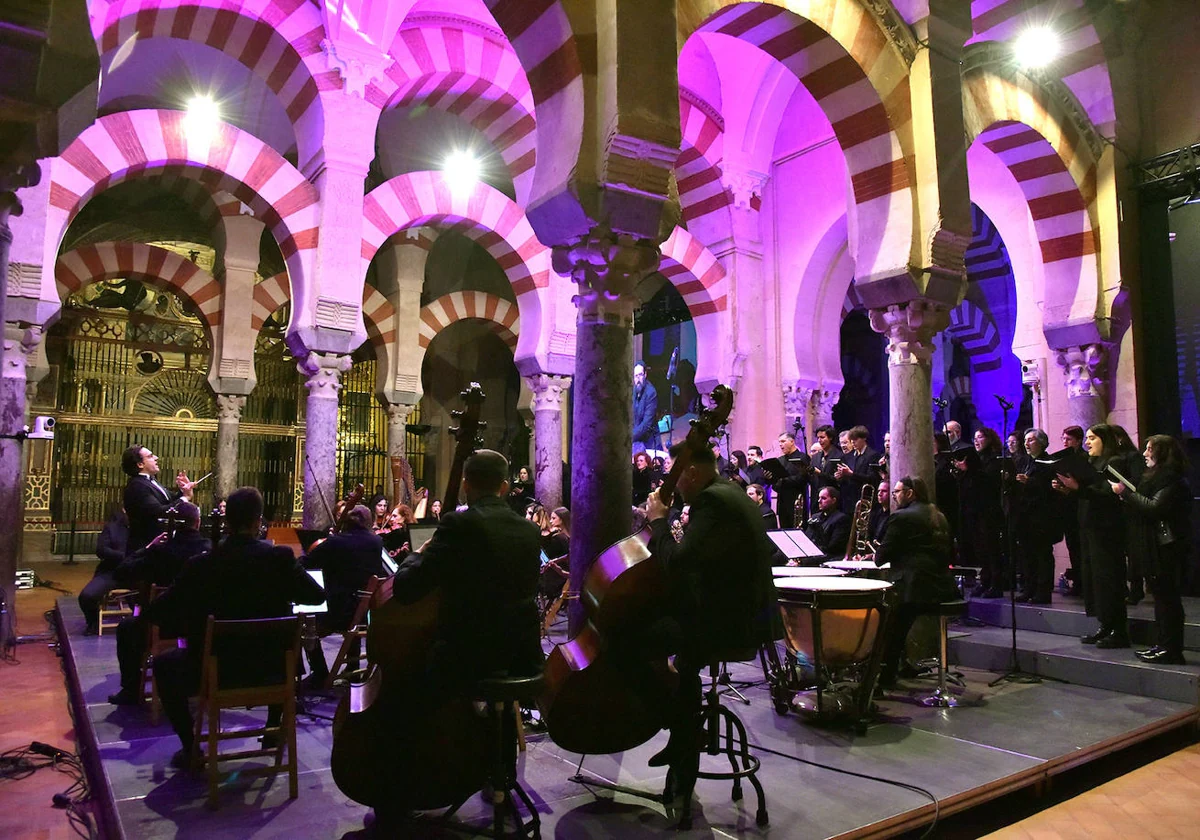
pixel 1037 47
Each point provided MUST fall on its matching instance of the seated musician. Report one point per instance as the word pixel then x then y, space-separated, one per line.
pixel 556 545
pixel 718 600
pixel 348 560
pixel 880 511
pixel 486 561
pixel 829 529
pixel 759 497
pixel 157 564
pixel 242 578
pixel 917 544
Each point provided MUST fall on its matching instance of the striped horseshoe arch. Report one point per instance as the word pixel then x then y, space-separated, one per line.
pixel 975 332
pixel 466 72
pixel 152 265
pixel 500 315
pixel 380 319
pixel 700 279
pixel 843 58
pixel 278 40
pixel 697 170
pixel 269 295
pixel 484 214
pixel 141 143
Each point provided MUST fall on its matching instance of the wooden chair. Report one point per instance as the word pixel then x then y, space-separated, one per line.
pixel 353 651
pixel 260 659
pixel 557 605
pixel 156 643
pixel 116 605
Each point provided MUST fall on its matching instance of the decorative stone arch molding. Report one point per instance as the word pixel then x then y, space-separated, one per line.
pixel 840 53
pixel 698 167
pixel 700 279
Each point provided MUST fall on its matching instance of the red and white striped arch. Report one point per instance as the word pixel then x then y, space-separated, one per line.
pixel 698 167
pixel 1056 173
pixel 501 316
pixel 380 318
pixel 152 265
pixel 483 214
pixel 540 34
pixel 135 144
pixel 1082 63
pixel 278 40
pixel 211 207
pixel 700 279
pixel 464 71
pixel 269 295
pixel 841 55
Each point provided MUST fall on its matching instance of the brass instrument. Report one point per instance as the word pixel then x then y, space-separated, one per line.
pixel 798 509
pixel 860 526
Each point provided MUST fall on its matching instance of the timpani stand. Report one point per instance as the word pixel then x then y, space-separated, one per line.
pixel 782 673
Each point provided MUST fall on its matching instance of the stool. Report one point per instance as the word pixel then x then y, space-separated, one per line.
pixel 945 611
pixel 714 713
pixel 502 695
pixel 114 606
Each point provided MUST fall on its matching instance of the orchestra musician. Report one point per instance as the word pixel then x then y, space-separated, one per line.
pixel 880 512
pixel 381 513
pixel 110 548
pixel 434 515
pixel 756 494
pixel 643 477
pixel 720 599
pixel 829 528
pixel 146 501
pixel 789 487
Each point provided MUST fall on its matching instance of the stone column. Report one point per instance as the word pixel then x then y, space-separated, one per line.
pixel 606 267
pixel 909 329
pixel 18 345
pixel 229 416
pixel 549 391
pixel 323 378
pixel 397 441
pixel 1085 368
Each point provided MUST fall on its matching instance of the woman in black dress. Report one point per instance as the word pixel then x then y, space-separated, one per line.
pixel 980 515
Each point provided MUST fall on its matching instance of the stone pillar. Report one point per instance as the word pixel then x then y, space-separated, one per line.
pixel 323 378
pixel 909 329
pixel 229 416
pixel 18 345
pixel 606 267
pixel 1085 368
pixel 549 391
pixel 397 440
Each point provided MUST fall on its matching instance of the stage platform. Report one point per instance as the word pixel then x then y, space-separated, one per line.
pixel 1012 737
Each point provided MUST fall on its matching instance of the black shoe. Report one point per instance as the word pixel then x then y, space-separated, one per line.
pixel 125 697
pixel 1148 651
pixel 1161 657
pixel 1113 641
pixel 271 740
pixel 1094 638
pixel 662 758
pixel 91 630
pixel 182 758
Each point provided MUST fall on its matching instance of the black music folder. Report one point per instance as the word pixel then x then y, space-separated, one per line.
pixel 774 468
pixel 1070 462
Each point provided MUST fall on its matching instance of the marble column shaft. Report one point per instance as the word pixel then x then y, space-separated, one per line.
pixel 323 372
pixel 17 346
pixel 397 438
pixel 549 392
pixel 229 416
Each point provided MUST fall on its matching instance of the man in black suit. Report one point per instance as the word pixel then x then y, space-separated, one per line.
pixel 790 487
pixel 758 496
pixel 829 528
pixel 147 501
pixel 110 549
pixel 860 469
pixel 348 560
pixel 754 470
pixel 486 561
pixel 721 592
pixel 826 460
pixel 645 411
pixel 242 578
pixel 157 564
pixel 917 545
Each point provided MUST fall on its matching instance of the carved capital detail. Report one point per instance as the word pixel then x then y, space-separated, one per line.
pixel 24 280
pixel 745 186
pixel 909 329
pixel 824 399
pixel 548 390
pixel 20 345
pixel 796 400
pixel 322 373
pixel 1086 368
pixel 398 414
pixel 229 407
pixel 606 267
pixel 358 65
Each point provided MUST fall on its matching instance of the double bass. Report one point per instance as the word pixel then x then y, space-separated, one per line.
pixel 438 758
pixel 592 702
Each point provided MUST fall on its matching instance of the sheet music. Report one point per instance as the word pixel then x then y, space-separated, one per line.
pixel 308 609
pixel 794 544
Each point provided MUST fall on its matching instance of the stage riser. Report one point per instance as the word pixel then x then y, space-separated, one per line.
pixel 1061 622
pixel 1128 677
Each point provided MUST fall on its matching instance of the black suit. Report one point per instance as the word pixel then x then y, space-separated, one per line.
pixel 830 531
pixel 645 417
pixel 768 516
pixel 486 561
pixel 791 486
pixel 866 472
pixel 145 504
pixel 110 548
pixel 1036 528
pixel 242 578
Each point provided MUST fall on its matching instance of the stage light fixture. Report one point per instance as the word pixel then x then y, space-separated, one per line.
pixel 200 122
pixel 461 169
pixel 1036 47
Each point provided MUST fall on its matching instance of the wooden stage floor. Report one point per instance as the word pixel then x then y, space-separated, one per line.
pixel 1012 737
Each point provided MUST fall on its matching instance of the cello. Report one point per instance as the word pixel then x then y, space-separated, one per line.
pixel 590 703
pixel 442 759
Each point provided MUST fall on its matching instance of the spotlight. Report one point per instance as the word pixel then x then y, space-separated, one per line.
pixel 462 172
pixel 200 123
pixel 1037 46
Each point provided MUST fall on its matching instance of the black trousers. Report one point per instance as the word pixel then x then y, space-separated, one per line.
pixel 1104 578
pixel 1037 563
pixel 92 595
pixel 1165 584
pixel 982 539
pixel 1074 549
pixel 131 651
pixel 178 675
pixel 902 619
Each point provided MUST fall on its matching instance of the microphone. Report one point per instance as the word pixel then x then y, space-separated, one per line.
pixel 671 365
pixel 1004 404
pixel 941 403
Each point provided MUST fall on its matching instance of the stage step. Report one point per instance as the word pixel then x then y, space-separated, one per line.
pixel 1065 617
pixel 1062 658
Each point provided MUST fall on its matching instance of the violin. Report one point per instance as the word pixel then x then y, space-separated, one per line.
pixel 589 703
pixel 443 760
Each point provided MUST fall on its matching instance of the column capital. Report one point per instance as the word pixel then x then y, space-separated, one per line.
pixel 549 390
pixel 909 329
pixel 606 267
pixel 323 373
pixel 398 412
pixel 1085 367
pixel 229 407
pixel 796 399
pixel 744 185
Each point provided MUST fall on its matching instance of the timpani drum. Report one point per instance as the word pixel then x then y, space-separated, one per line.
pixel 805 571
pixel 860 568
pixel 835 623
